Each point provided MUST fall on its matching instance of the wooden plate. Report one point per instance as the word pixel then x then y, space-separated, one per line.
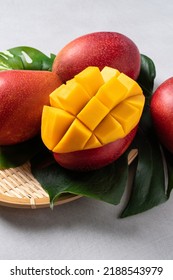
pixel 19 189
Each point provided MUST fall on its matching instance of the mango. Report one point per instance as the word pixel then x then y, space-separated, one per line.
pixel 23 93
pixel 92 111
pixel 99 49
pixel 161 108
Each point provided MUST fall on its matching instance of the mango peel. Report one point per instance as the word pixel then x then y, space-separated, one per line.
pixel 91 110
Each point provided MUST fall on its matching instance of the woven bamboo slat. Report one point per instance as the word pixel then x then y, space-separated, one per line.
pixel 19 189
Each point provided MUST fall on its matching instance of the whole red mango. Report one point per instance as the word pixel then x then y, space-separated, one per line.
pixel 162 113
pixel 98 49
pixel 22 96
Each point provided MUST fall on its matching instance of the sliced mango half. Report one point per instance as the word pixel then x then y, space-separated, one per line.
pixel 91 110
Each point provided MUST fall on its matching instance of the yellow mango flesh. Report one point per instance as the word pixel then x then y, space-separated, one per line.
pixel 52 128
pixel 93 113
pixel 91 110
pixel 108 73
pixel 90 79
pixel 76 136
pixel 106 93
pixel 65 96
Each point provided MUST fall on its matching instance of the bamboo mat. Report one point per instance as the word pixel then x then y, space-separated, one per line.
pixel 19 189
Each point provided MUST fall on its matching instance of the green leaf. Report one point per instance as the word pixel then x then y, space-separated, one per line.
pixel 148 188
pixel 147 75
pixel 146 80
pixel 25 58
pixel 106 184
pixel 16 155
pixel 169 164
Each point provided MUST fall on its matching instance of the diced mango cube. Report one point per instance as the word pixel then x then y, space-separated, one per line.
pixel 127 115
pixel 54 101
pixel 76 136
pixel 93 113
pixel 93 142
pixel 72 97
pixel 108 73
pixel 55 123
pixel 109 130
pixel 111 93
pixel 91 79
pixel 137 101
pixel 131 85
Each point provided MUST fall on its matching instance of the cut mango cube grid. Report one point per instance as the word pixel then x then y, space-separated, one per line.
pixel 93 109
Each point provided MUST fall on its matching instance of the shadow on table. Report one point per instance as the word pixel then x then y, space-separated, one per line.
pixel 83 212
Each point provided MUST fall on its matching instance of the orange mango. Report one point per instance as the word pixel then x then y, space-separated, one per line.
pixel 91 110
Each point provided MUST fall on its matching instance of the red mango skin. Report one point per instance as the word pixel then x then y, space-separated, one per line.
pixel 22 96
pixel 96 158
pixel 162 113
pixel 98 49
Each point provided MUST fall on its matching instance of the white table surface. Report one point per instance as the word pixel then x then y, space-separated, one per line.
pixel 86 228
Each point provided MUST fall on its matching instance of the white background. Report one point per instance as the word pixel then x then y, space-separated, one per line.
pixel 86 228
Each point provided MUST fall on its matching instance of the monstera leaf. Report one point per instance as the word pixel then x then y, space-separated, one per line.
pixel 25 58
pixel 149 187
pixel 16 155
pixel 106 184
